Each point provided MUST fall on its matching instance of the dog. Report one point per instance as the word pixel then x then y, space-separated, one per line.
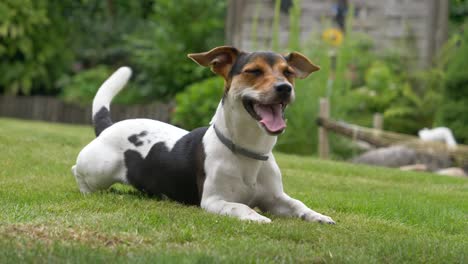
pixel 227 168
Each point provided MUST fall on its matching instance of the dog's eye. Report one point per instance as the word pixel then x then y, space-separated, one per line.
pixel 288 73
pixel 256 72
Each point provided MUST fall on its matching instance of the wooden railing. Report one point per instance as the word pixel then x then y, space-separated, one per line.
pixel 51 109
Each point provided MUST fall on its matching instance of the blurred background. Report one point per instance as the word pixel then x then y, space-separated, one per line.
pixel 406 60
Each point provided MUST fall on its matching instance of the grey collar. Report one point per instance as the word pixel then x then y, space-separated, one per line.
pixel 236 149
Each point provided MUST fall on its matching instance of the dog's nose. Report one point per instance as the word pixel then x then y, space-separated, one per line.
pixel 283 90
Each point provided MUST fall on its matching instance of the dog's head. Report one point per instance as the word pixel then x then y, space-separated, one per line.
pixel 262 81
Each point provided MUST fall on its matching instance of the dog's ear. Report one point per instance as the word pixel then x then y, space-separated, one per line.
pixel 220 59
pixel 301 64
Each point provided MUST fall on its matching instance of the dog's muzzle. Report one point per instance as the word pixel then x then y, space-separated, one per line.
pixel 283 91
pixel 269 115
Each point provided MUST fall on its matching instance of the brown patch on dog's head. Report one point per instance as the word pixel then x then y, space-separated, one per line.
pixel 261 71
pixel 262 81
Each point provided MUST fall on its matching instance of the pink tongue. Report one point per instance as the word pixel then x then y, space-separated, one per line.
pixel 272 117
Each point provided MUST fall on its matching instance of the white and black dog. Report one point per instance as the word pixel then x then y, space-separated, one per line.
pixel 227 168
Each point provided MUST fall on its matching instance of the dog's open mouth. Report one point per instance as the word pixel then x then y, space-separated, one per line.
pixel 270 116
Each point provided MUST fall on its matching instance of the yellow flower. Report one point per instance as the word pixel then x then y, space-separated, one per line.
pixel 333 36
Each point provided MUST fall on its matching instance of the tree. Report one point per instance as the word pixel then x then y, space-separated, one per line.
pixel 45 42
pixel 33 53
pixel 175 29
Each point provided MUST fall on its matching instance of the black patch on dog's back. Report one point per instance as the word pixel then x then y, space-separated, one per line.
pixel 178 174
pixel 135 138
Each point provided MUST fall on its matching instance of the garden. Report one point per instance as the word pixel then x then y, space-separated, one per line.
pixel 66 49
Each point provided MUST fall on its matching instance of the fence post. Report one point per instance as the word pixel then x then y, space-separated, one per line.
pixel 324 112
pixel 378 121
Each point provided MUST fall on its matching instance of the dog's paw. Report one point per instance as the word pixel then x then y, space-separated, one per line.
pixel 316 217
pixel 255 217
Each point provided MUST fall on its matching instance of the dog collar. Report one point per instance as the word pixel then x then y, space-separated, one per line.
pixel 236 149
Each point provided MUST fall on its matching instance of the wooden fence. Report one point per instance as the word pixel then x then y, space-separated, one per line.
pixel 380 138
pixel 325 125
pixel 54 110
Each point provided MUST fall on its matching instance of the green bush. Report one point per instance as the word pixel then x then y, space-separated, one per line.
pixel 83 86
pixel 99 29
pixel 44 41
pixel 409 102
pixel 301 136
pixel 364 82
pixel 197 104
pixel 454 108
pixel 416 103
pixel 377 93
pixel 176 28
pixel 353 59
pixel 33 53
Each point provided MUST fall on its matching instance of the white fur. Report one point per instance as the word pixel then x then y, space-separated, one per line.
pixel 443 134
pixel 110 88
pixel 234 183
pixel 101 163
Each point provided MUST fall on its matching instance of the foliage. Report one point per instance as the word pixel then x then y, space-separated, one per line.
pixel 197 103
pixel 98 29
pixel 294 25
pixel 415 106
pixel 378 92
pixel 175 29
pixel 33 53
pixel 82 87
pixel 275 26
pixel 359 82
pixel 43 43
pixel 382 214
pixel 354 57
pixel 458 11
pixel 402 100
pixel 454 109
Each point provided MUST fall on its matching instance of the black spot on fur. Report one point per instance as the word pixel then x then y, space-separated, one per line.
pixel 101 120
pixel 178 174
pixel 135 138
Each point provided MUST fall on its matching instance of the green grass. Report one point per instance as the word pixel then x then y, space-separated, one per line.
pixel 382 215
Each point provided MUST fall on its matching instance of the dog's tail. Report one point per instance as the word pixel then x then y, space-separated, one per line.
pixel 101 103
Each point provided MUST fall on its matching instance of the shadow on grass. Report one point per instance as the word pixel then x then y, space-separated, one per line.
pixel 121 189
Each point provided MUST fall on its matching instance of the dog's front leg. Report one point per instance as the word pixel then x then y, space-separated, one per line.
pixel 284 205
pixel 271 197
pixel 238 210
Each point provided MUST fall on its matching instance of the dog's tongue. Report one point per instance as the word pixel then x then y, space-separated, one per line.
pixel 271 116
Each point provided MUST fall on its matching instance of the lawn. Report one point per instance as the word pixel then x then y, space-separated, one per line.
pixel 382 215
